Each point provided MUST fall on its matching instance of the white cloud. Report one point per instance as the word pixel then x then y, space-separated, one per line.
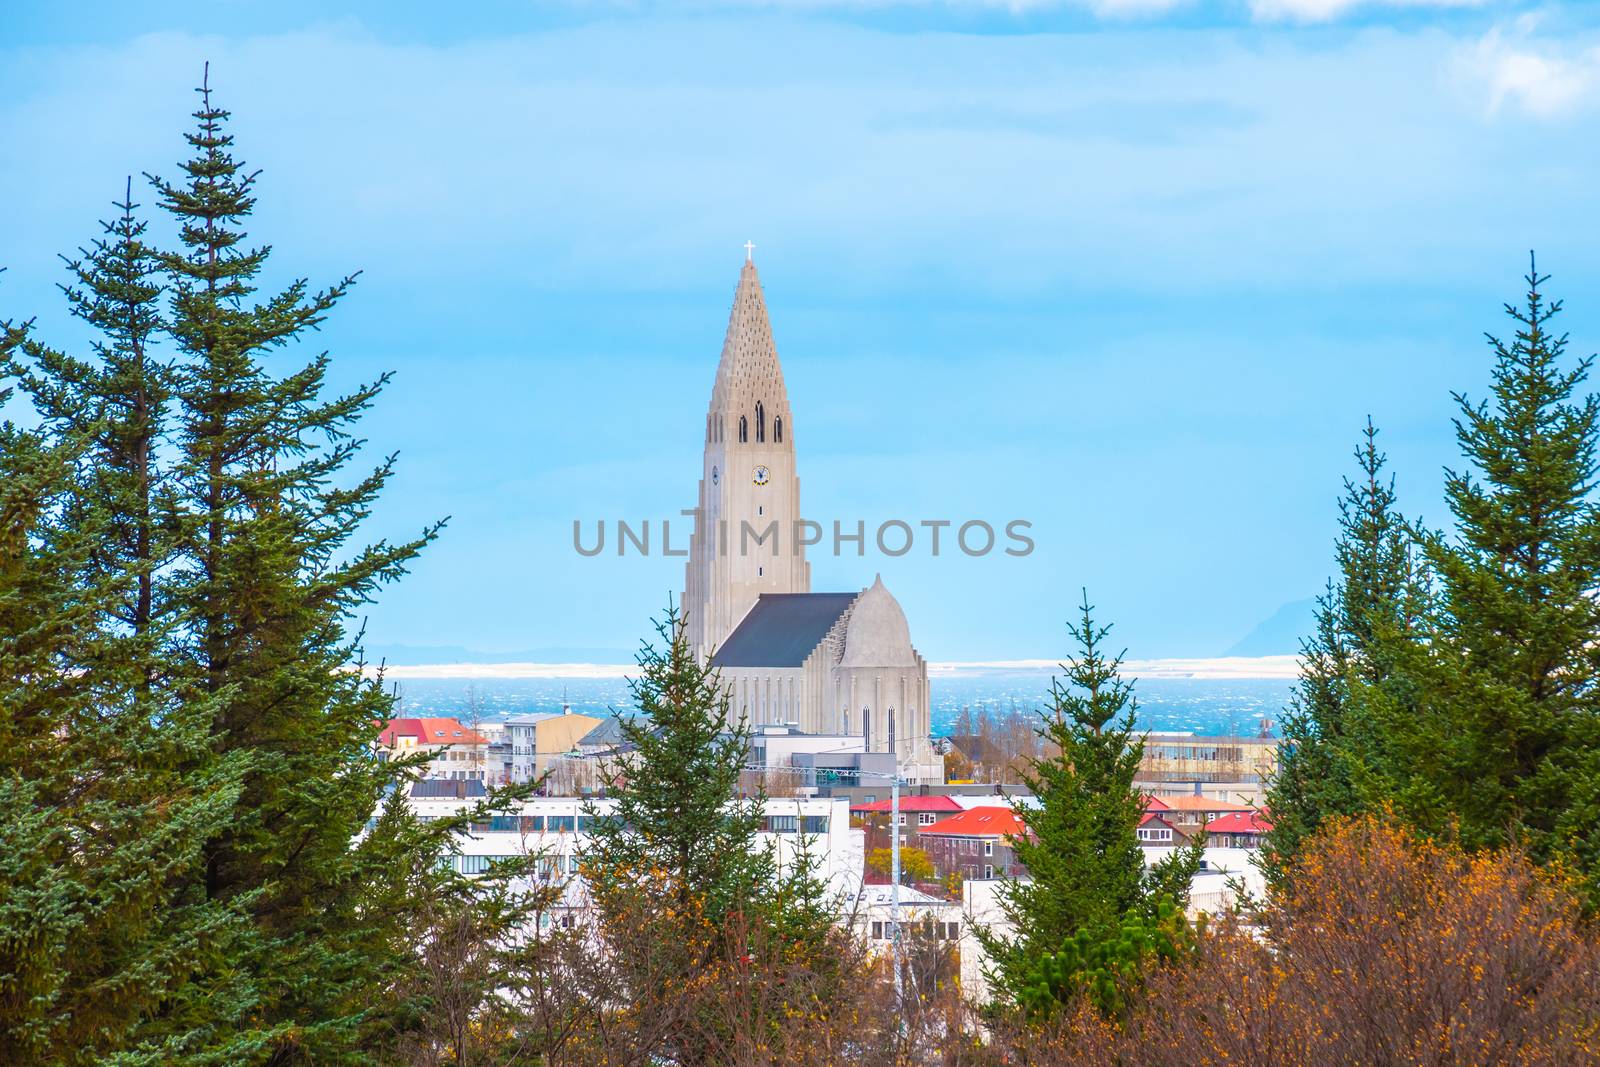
pixel 1517 71
pixel 1326 10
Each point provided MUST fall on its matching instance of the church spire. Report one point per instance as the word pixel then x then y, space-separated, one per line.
pixel 749 385
pixel 748 519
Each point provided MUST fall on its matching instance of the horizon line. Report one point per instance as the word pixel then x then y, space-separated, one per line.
pixel 1218 668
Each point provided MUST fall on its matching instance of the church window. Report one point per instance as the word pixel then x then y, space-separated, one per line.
pixel 761 422
pixel 777 428
pixel 744 430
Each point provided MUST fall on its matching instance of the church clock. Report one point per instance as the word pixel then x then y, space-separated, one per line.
pixel 714 476
pixel 761 475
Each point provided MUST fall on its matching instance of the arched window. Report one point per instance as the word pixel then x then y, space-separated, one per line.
pixel 744 430
pixel 761 422
pixel 777 428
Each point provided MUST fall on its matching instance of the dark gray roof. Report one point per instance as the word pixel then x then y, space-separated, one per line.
pixel 782 629
pixel 609 732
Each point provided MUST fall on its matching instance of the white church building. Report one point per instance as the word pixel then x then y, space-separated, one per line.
pixel 838 664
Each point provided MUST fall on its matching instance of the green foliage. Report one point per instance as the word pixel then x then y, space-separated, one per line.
pixel 1510 682
pixel 1107 964
pixel 1336 755
pixel 1454 676
pixel 679 820
pixel 109 787
pixel 204 861
pixel 1086 868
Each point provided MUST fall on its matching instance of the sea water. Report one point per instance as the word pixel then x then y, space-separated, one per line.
pixel 1205 706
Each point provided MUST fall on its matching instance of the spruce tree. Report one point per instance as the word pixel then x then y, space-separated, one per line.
pixel 1513 670
pixel 680 821
pixel 681 879
pixel 267 585
pixel 109 790
pixel 1337 756
pixel 1086 869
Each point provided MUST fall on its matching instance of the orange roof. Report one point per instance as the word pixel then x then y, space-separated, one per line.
pixel 1153 803
pixel 1193 803
pixel 979 822
pixel 1240 822
pixel 436 731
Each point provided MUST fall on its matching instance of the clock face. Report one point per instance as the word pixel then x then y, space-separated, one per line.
pixel 714 476
pixel 761 475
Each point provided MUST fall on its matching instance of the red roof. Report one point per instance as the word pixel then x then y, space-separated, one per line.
pixel 979 822
pixel 1153 817
pixel 917 803
pixel 430 732
pixel 1189 802
pixel 1240 822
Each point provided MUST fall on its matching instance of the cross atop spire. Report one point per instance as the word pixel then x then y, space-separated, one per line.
pixel 749 251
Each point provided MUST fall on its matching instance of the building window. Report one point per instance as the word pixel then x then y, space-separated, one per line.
pixel 988 847
pixel 761 422
pixel 926 818
pixel 744 430
pixel 952 931
pixel 988 871
pixel 782 824
pixel 814 824
pixel 877 931
pixel 559 824
pixel 777 428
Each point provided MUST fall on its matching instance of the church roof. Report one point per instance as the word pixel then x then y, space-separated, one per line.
pixel 782 629
pixel 879 635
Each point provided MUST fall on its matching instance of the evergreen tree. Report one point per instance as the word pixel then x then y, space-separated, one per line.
pixel 108 791
pixel 267 583
pixel 1086 870
pixel 676 862
pixel 679 820
pixel 1336 757
pixel 1513 671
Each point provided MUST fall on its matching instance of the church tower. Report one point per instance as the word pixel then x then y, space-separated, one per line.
pixel 745 539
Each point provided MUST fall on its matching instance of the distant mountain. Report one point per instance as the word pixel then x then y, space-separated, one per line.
pixel 1280 633
pixel 414 655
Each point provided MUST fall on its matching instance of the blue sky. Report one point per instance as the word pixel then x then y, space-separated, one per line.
pixel 1133 270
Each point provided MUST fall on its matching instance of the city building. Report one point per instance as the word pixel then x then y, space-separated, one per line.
pixel 1188 814
pixel 924 918
pixel 916 813
pixel 554 829
pixel 975 843
pixel 834 664
pixel 455 751
pixel 1154 831
pixel 1238 829
pixel 538 740
pixel 1224 768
